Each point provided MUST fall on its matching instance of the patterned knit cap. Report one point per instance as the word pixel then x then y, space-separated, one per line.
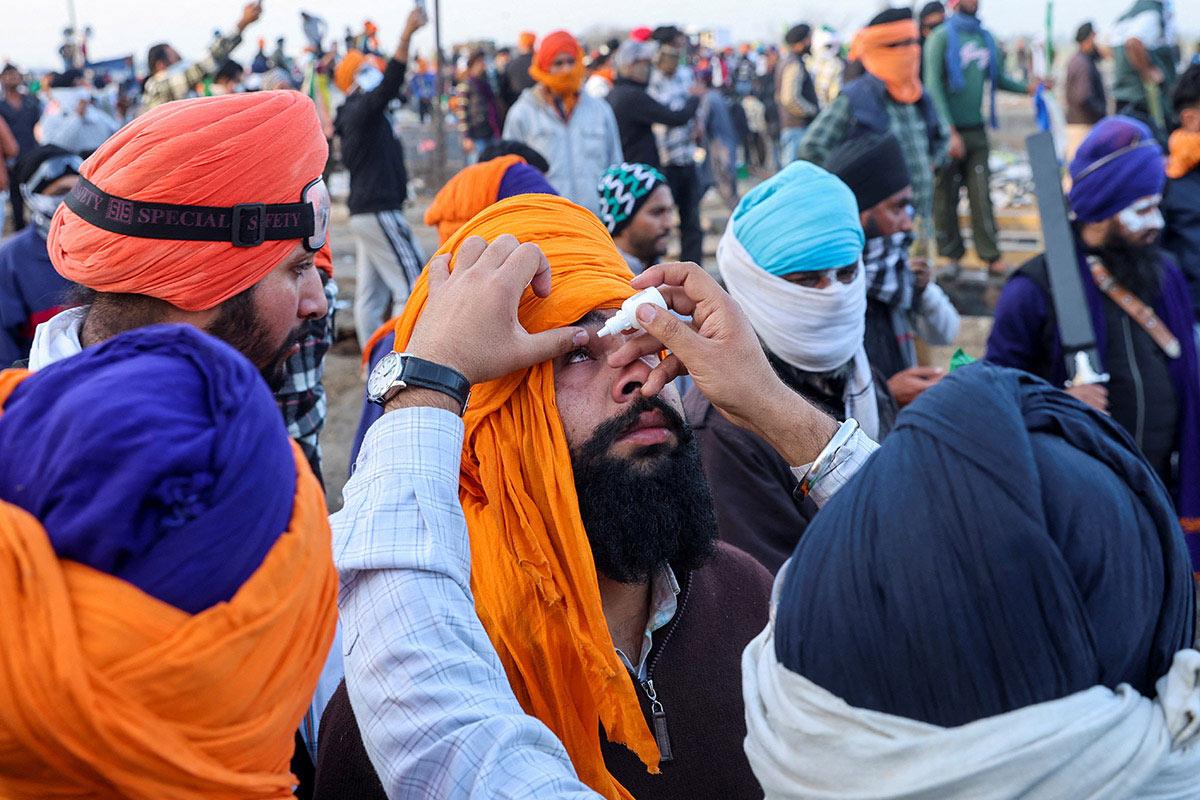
pixel 623 189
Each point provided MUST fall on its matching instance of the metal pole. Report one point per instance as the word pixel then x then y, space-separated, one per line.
pixel 439 113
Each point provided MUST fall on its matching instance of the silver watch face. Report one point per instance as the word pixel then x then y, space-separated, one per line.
pixel 383 376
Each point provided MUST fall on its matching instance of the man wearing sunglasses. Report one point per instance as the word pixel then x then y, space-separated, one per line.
pixel 792 258
pixel 155 230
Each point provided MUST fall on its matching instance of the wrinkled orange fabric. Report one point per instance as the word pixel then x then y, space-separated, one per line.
pixel 532 572
pixel 471 190
pixel 258 147
pixel 566 86
pixel 1183 153
pixel 898 67
pixel 107 692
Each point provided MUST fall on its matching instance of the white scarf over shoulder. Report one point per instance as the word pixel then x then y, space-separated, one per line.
pixel 1098 744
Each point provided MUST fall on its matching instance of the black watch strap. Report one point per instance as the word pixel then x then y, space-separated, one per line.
pixel 427 375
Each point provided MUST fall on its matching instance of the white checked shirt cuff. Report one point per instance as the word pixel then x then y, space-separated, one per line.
pixel 846 463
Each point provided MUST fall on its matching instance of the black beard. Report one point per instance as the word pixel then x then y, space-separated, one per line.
pixel 237 326
pixel 649 510
pixel 1135 268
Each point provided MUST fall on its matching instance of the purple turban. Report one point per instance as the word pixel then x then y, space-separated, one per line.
pixel 1118 163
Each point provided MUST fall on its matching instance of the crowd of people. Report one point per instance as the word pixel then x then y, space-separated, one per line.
pixel 617 525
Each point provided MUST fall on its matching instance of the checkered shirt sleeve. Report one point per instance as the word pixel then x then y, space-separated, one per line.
pixel 433 704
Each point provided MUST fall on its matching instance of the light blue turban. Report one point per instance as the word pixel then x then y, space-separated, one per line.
pixel 802 219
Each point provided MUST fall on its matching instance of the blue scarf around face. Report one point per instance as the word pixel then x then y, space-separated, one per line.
pixel 959 24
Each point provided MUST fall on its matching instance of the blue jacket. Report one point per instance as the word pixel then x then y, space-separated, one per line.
pixel 31 292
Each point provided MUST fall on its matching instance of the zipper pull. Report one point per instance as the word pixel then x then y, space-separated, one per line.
pixel 659 718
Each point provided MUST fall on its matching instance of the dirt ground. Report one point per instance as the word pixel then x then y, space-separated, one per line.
pixel 972 292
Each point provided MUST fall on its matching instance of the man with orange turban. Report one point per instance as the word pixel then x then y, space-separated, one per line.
pixel 576 132
pixel 167 594
pixel 888 97
pixel 157 231
pixel 388 256
pixel 611 616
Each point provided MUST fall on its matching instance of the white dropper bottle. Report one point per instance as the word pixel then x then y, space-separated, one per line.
pixel 626 318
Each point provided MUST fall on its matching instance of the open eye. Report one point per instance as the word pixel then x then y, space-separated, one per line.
pixel 579 356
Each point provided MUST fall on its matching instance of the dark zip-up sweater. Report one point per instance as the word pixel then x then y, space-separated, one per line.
pixel 694 671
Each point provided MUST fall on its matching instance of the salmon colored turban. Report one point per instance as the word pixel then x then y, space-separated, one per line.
pixel 260 147
pixel 532 572
pixel 106 691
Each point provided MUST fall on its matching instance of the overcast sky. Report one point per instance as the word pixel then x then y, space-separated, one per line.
pixel 129 26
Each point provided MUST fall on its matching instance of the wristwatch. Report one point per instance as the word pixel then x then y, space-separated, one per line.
pixel 396 372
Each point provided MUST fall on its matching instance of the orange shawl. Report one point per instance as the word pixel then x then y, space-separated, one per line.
pixel 899 67
pixel 107 692
pixel 470 191
pixel 532 573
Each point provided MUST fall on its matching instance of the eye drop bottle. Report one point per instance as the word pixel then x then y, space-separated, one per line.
pixel 626 318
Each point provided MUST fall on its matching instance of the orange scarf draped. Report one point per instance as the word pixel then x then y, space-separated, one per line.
pixel 532 572
pixel 899 67
pixel 106 692
pixel 470 191
pixel 1183 153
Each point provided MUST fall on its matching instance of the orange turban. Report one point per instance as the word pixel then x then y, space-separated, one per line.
pixel 526 39
pixel 898 66
pixel 106 691
pixel 470 191
pixel 532 572
pixel 565 86
pixel 347 69
pixel 261 147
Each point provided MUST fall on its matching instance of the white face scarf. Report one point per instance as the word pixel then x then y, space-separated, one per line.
pixel 804 742
pixel 814 330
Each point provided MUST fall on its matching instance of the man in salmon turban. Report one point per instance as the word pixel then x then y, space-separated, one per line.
pixel 576 132
pixel 207 212
pixel 165 581
pixel 616 618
